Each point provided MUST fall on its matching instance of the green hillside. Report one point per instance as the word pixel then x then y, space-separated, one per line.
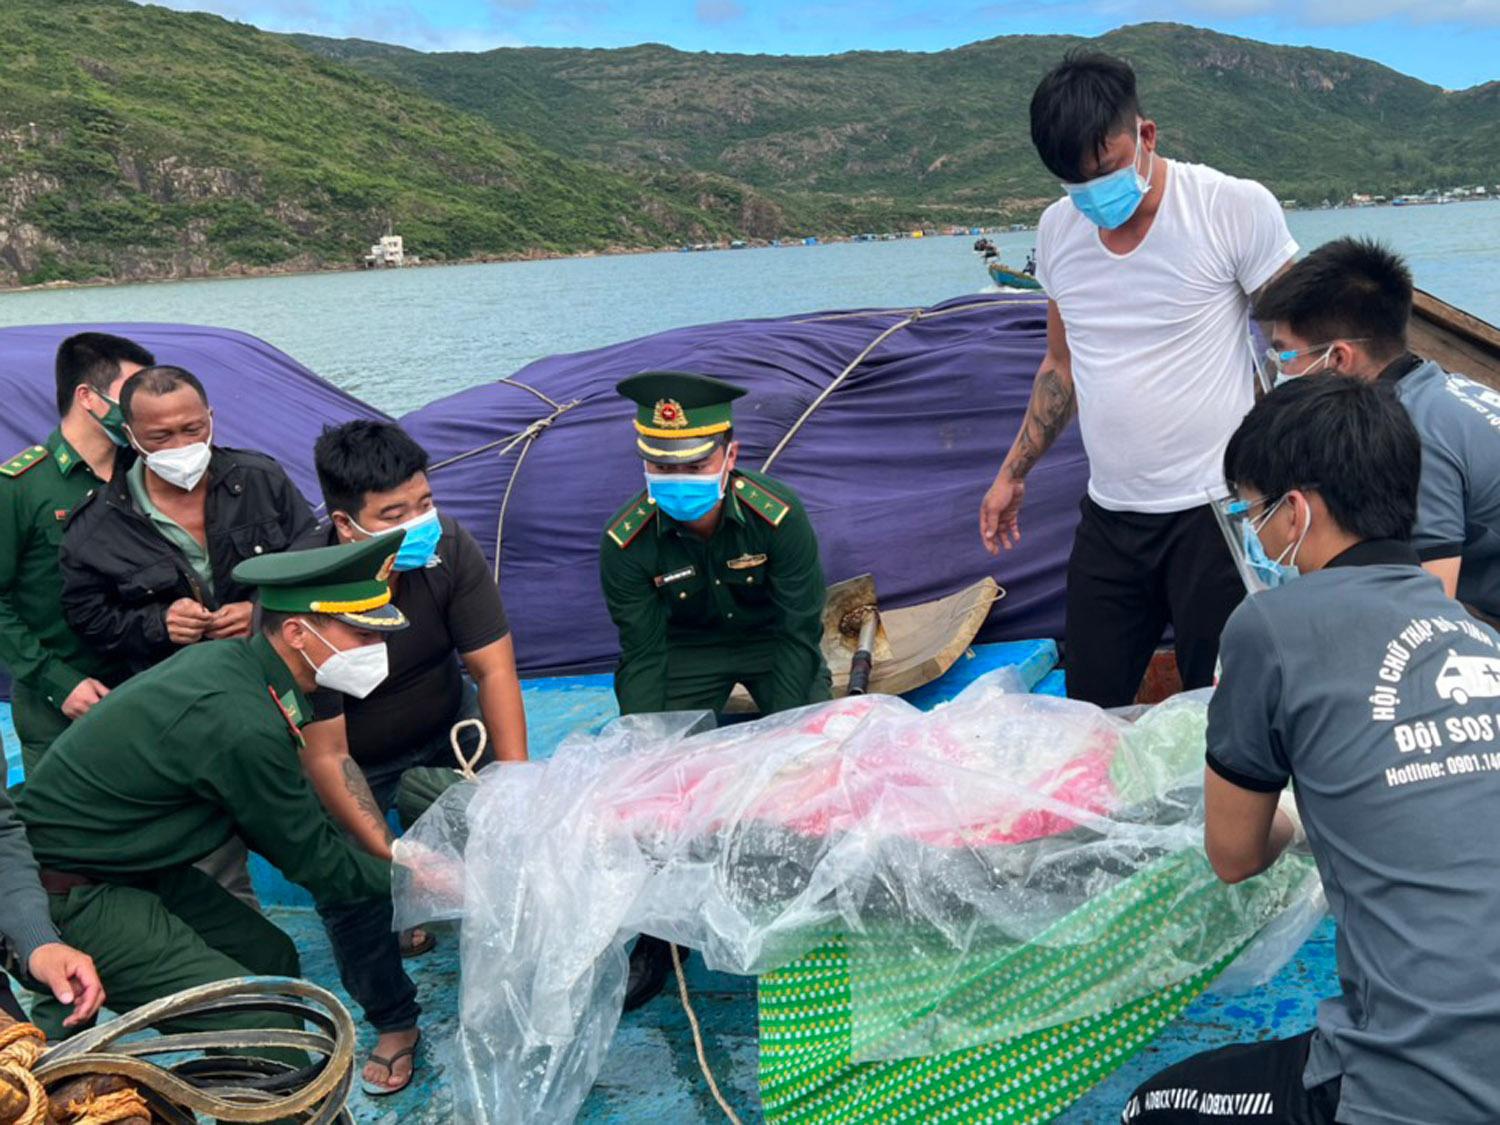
pixel 141 142
pixel 952 126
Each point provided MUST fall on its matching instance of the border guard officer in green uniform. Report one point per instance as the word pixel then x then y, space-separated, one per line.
pixel 195 750
pixel 55 676
pixel 711 575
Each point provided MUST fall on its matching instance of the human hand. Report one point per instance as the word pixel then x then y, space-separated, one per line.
pixel 999 514
pixel 186 621
pixel 232 620
pixel 1286 806
pixel 71 977
pixel 88 692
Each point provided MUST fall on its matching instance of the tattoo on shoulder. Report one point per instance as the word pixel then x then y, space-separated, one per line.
pixel 359 788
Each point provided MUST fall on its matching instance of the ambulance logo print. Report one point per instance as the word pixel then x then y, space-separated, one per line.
pixel 1463 678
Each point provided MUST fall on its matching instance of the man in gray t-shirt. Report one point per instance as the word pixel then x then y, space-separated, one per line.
pixel 1359 682
pixel 1344 308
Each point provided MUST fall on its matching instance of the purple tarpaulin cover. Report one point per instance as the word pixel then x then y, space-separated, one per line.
pixel 892 466
pixel 262 398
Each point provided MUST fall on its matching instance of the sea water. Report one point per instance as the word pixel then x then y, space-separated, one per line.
pixel 399 338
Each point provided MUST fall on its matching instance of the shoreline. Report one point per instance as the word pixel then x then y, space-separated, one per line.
pixel 254 272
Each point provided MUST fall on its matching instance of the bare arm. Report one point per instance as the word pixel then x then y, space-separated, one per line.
pixel 1447 570
pixel 1053 402
pixel 1242 830
pixel 1052 406
pixel 494 670
pixel 341 786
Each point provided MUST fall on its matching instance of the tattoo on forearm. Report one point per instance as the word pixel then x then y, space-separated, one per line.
pixel 359 789
pixel 1050 410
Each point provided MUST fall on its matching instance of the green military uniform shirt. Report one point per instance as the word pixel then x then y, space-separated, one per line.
pixel 745 605
pixel 38 488
pixel 185 755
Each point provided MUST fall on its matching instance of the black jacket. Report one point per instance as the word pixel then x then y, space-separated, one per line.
pixel 120 574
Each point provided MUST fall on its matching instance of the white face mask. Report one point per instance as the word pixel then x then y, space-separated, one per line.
pixel 184 466
pixel 351 671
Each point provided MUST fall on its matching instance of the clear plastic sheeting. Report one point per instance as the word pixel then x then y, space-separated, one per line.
pixel 996 866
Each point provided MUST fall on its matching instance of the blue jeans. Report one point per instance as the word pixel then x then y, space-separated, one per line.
pixel 367 951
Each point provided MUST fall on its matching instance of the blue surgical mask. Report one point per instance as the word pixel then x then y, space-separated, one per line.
pixel 1108 201
pixel 685 497
pixel 1271 572
pixel 419 546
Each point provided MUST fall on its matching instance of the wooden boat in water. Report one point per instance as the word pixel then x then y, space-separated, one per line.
pixel 1007 277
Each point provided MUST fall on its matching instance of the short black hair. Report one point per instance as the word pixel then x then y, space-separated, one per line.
pixel 1347 289
pixel 1349 440
pixel 93 358
pixel 1080 103
pixel 363 456
pixel 159 380
pixel 270 621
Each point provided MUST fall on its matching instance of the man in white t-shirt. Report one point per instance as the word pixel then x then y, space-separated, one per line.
pixel 1149 266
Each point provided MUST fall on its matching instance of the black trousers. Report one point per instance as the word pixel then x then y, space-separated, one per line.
pixel 1250 1082
pixel 1131 574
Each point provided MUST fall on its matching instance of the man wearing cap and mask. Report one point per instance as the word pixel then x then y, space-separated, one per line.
pixel 148 561
pixel 711 574
pixel 203 747
pixel 55 676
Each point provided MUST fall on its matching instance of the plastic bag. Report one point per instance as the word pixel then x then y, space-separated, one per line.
pixel 985 864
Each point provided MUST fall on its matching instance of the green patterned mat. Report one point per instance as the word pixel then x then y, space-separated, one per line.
pixel 1053 1017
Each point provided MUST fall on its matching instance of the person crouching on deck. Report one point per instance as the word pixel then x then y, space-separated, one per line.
pixel 711 574
pixel 1356 680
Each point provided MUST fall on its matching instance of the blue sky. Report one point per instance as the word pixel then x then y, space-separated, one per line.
pixel 1451 43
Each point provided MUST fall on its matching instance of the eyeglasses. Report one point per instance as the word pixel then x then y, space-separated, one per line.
pixel 1273 363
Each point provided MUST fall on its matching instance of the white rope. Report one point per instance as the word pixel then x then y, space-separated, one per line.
pixel 466 764
pixel 911 317
pixel 765 466
pixel 687 1006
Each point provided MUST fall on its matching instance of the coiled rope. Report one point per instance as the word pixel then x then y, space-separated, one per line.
pixel 232 1084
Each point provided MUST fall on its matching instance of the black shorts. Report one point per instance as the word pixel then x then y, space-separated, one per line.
pixel 1258 1083
pixel 1131 574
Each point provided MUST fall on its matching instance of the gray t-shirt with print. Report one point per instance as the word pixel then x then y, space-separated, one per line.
pixel 1458 510
pixel 1379 698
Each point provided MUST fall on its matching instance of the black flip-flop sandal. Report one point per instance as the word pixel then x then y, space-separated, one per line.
pixel 375 1090
pixel 410 949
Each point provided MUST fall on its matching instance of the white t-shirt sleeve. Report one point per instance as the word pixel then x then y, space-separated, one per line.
pixel 1253 227
pixel 1045 242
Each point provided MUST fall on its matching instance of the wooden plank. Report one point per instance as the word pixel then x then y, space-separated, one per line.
pixel 1459 341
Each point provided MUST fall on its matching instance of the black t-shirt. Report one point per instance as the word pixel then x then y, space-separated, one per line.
pixel 454 608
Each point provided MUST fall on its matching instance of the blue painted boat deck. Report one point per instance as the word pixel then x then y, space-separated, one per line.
pixel 651 1073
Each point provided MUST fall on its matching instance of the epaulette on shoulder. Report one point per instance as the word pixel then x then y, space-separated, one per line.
pixel 632 520
pixel 26 459
pixel 760 500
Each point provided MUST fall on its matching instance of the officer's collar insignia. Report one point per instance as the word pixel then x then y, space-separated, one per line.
pixel 384 573
pixel 669 415
pixel 287 705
